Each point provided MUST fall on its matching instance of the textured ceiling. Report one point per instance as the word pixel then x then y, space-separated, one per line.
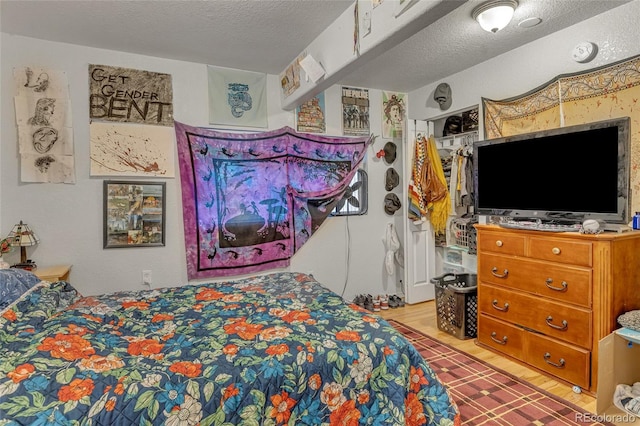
pixel 266 35
pixel 254 35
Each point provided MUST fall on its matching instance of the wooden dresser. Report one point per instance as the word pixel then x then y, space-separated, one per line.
pixel 547 298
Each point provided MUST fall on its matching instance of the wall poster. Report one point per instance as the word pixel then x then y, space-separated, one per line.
pixel 290 78
pixel 44 125
pixel 237 98
pixel 119 149
pixel 355 111
pixel 128 95
pixel 131 129
pixel 134 214
pixel 310 115
pixel 393 114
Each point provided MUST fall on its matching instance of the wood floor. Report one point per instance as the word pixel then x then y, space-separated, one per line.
pixel 422 316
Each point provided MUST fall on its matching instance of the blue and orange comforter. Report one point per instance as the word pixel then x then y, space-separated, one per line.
pixel 267 350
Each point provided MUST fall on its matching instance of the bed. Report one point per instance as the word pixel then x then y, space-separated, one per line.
pixel 266 350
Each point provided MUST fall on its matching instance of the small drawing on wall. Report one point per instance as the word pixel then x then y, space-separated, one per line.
pixel 45 140
pixel 393 113
pixel 290 78
pixel 44 125
pixel 121 149
pixel 40 82
pixel 134 214
pixel 54 112
pixel 41 168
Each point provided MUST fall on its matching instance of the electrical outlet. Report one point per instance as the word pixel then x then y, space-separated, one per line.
pixel 146 277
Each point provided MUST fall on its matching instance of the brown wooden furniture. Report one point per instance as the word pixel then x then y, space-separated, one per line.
pixel 54 273
pixel 546 299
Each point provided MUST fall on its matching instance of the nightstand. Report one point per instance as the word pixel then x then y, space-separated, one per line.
pixel 53 273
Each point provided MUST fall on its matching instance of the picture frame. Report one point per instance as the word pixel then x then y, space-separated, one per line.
pixel 402 6
pixel 134 214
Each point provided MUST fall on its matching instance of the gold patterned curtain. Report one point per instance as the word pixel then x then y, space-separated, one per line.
pixel 611 91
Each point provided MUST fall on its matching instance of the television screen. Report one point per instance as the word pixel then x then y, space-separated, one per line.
pixel 572 173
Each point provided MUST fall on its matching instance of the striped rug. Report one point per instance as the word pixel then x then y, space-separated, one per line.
pixel 486 395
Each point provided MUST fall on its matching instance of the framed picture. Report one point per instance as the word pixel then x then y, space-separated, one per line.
pixel 134 214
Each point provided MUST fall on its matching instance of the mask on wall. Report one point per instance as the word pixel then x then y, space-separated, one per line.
pixel 442 96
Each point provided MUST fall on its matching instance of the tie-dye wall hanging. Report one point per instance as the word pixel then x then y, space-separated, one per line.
pixel 250 201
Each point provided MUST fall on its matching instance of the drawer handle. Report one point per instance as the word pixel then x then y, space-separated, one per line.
pixel 499 243
pixel 563 327
pixel 498 341
pixel 502 309
pixel 559 365
pixel 555 250
pixel 564 285
pixel 495 273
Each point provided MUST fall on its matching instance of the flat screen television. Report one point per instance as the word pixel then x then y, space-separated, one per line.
pixel 568 174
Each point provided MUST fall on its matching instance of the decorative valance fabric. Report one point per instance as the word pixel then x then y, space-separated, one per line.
pixel 611 91
pixel 250 201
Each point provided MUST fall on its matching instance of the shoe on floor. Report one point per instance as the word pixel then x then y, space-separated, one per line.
pixel 376 304
pixel 396 300
pixel 359 300
pixel 368 302
pixel 393 301
pixel 384 302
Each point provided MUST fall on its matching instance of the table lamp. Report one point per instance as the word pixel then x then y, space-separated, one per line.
pixel 22 236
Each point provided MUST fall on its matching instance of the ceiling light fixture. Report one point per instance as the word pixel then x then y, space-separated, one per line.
pixel 494 15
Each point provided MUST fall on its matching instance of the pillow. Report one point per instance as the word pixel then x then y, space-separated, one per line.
pixel 14 282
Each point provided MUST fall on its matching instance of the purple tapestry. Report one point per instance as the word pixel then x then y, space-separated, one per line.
pixel 250 201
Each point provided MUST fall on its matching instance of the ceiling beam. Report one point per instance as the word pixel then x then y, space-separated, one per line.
pixel 391 23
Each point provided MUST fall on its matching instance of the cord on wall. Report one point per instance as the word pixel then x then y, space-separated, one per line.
pixel 348 257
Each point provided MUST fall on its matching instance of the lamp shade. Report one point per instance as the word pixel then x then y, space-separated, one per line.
pixel 495 15
pixel 22 236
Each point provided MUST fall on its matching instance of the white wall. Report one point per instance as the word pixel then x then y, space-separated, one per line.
pixel 523 69
pixel 68 218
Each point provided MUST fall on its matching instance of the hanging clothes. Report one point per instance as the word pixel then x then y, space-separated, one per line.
pixel 461 185
pixel 467 198
pixel 392 244
pixel 429 188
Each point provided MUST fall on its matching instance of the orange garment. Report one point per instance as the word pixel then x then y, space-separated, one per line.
pixel 430 185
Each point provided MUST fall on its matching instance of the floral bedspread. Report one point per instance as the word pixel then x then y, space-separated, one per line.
pixel 269 350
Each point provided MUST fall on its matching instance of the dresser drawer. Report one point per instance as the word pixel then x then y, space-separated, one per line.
pixel 568 323
pixel 561 250
pixel 559 359
pixel 501 336
pixel 563 283
pixel 503 243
